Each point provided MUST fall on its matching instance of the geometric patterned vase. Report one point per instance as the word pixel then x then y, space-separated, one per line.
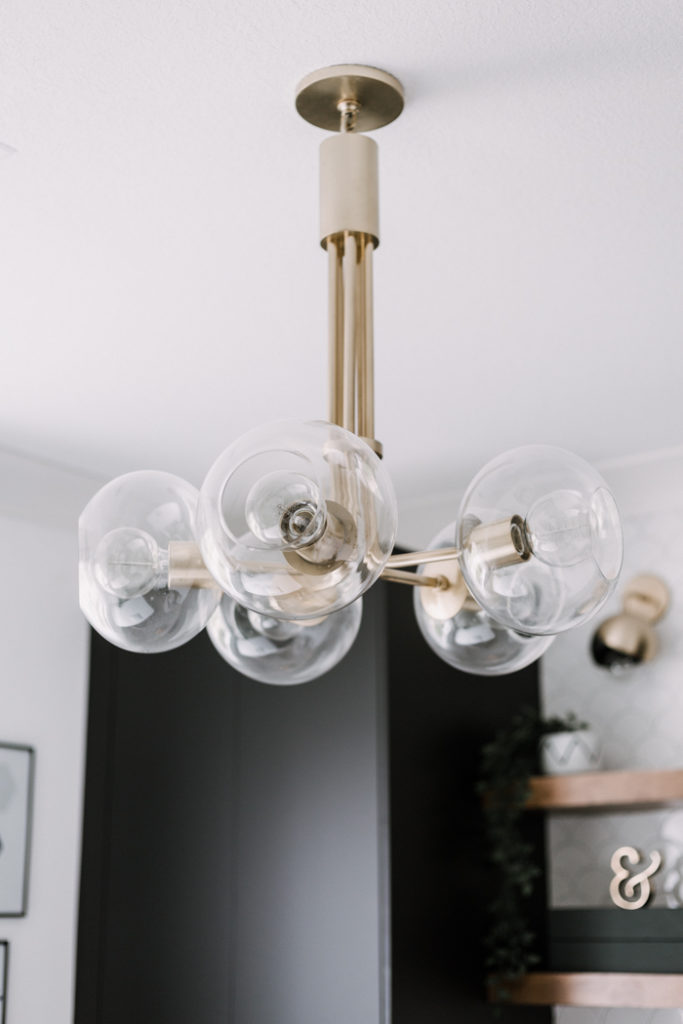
pixel 565 752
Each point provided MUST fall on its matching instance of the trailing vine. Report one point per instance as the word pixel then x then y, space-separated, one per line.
pixel 507 764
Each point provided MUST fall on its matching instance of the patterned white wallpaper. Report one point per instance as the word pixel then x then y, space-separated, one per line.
pixel 639 716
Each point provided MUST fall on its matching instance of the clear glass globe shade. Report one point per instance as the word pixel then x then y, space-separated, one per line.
pixel 567 526
pixel 279 651
pixel 471 640
pixel 296 520
pixel 124 534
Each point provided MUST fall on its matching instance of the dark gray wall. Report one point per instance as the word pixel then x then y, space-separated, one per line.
pixel 442 880
pixel 156 924
pixel 310 871
pixel 233 867
pixel 235 857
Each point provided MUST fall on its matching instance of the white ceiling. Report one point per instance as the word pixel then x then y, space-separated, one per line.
pixel 162 285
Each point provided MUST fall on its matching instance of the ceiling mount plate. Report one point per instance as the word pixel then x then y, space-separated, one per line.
pixel 379 95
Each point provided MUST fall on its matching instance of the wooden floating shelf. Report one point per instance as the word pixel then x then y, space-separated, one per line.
pixel 643 991
pixel 605 789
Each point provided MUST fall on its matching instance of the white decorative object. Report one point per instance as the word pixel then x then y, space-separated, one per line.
pixel 563 753
pixel 632 890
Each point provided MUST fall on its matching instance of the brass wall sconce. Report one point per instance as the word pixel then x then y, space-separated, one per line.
pixel 629 639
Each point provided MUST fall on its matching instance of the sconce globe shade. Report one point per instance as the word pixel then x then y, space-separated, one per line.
pixel 283 652
pixel 571 531
pixel 296 519
pixel 124 532
pixel 471 640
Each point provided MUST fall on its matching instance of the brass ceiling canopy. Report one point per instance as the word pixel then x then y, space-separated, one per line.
pixel 375 96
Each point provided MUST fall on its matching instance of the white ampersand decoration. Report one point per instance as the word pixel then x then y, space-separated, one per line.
pixel 640 880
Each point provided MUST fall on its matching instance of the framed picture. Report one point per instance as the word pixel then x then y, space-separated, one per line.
pixel 16 797
pixel 4 959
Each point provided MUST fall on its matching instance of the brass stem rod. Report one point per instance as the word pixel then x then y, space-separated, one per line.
pixel 350 305
pixel 336 332
pixel 360 334
pixel 366 382
pixel 414 580
pixel 349 229
pixel 404 561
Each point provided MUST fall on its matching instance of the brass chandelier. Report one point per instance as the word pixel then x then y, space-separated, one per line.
pixel 296 520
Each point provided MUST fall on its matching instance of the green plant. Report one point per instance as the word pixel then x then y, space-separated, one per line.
pixel 506 766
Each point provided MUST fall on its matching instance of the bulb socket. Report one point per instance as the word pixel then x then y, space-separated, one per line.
pixel 501 544
pixel 186 567
pixel 335 546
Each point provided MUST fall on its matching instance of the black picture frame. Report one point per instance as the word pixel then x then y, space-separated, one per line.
pixel 17 772
pixel 4 961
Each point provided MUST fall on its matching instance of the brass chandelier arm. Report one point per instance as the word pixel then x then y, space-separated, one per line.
pixel 186 567
pixel 410 558
pixel 442 596
pixel 414 579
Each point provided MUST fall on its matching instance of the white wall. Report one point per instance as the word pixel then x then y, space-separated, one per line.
pixel 43 692
pixel 638 714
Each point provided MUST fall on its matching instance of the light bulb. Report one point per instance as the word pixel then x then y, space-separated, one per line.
pixel 280 651
pixel 470 640
pixel 124 535
pixel 558 528
pixel 285 510
pixel 566 527
pixel 564 543
pixel 127 562
pixel 296 520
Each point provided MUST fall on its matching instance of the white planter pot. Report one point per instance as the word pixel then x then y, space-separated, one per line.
pixel 563 753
